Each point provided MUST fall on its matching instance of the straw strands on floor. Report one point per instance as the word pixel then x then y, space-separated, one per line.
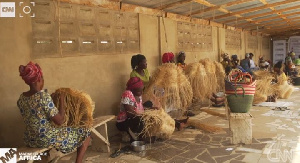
pixel 200 125
pixel 78 106
pixel 157 123
pixel 170 85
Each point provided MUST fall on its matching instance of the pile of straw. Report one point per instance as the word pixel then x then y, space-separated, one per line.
pixel 264 87
pixel 220 74
pixel 78 106
pixel 176 91
pixel 283 90
pixel 157 123
pixel 206 78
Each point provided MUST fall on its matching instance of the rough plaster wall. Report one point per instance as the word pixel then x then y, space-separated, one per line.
pixel 15 35
pixel 102 76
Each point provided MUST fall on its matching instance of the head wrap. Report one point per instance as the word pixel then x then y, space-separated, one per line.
pixel 292 54
pixel 261 57
pixel 30 73
pixel 247 55
pixel 133 83
pixel 167 57
pixel 225 55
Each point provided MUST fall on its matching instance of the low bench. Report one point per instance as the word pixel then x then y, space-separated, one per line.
pixel 99 121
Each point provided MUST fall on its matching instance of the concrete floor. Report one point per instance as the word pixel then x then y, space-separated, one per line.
pixel 276 138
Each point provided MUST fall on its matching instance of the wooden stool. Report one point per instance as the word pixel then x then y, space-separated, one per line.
pixel 99 121
pixel 241 127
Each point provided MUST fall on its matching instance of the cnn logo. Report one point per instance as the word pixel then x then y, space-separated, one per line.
pixel 8 9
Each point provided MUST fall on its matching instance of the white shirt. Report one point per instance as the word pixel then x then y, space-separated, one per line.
pixel 252 64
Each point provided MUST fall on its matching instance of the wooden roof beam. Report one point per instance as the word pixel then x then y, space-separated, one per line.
pixel 170 5
pixel 253 9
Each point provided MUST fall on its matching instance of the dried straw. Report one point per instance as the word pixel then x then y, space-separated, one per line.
pixel 264 87
pixel 198 124
pixel 78 106
pixel 220 74
pixel 157 123
pixel 177 91
pixel 209 111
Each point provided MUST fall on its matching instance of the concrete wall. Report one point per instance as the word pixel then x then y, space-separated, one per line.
pixel 101 76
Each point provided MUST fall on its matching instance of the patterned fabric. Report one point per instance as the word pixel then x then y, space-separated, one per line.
pixel 36 111
pixel 129 99
pixel 144 78
pixel 30 73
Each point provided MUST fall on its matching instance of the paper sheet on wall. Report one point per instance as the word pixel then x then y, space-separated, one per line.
pixel 294 44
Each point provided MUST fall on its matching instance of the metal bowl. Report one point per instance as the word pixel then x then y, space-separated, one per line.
pixel 138 146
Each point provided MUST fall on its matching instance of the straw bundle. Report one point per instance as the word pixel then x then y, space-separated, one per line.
pixel 283 90
pixel 220 74
pixel 264 87
pixel 199 80
pixel 78 107
pixel 157 123
pixel 198 124
pixel 177 92
pixel 208 111
pixel 210 69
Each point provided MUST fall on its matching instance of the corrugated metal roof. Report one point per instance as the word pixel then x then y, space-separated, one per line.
pixel 219 2
pixel 257 12
pixel 244 6
pixel 297 3
pixel 222 16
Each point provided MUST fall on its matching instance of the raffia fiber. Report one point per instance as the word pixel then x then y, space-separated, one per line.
pixel 214 113
pixel 78 107
pixel 264 87
pixel 206 78
pixel 177 91
pixel 200 125
pixel 157 123
pixel 220 74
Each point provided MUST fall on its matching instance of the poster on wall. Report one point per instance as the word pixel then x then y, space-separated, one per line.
pixel 279 50
pixel 294 45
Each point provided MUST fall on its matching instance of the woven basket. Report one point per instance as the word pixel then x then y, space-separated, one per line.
pixel 240 103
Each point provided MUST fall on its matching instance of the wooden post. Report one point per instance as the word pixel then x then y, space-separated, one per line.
pixel 241 128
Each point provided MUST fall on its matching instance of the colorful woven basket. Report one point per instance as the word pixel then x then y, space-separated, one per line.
pixel 239 103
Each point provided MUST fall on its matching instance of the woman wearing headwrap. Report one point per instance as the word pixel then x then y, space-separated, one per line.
pixel 226 61
pixel 181 59
pixel 39 112
pixel 168 58
pixel 139 68
pixel 131 107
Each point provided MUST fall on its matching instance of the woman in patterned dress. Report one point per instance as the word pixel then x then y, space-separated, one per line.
pixel 131 108
pixel 39 113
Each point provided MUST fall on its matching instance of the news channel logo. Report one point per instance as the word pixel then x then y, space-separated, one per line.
pixel 8 9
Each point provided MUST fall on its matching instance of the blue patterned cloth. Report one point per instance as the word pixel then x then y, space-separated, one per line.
pixel 36 111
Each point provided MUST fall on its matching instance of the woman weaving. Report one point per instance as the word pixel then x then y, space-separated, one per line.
pixel 131 110
pixel 39 112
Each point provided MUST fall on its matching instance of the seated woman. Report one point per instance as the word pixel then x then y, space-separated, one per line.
pixel 181 59
pixel 38 111
pixel 131 109
pixel 139 68
pixel 168 58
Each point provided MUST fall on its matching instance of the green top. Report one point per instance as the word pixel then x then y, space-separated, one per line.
pixel 297 62
pixel 144 78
